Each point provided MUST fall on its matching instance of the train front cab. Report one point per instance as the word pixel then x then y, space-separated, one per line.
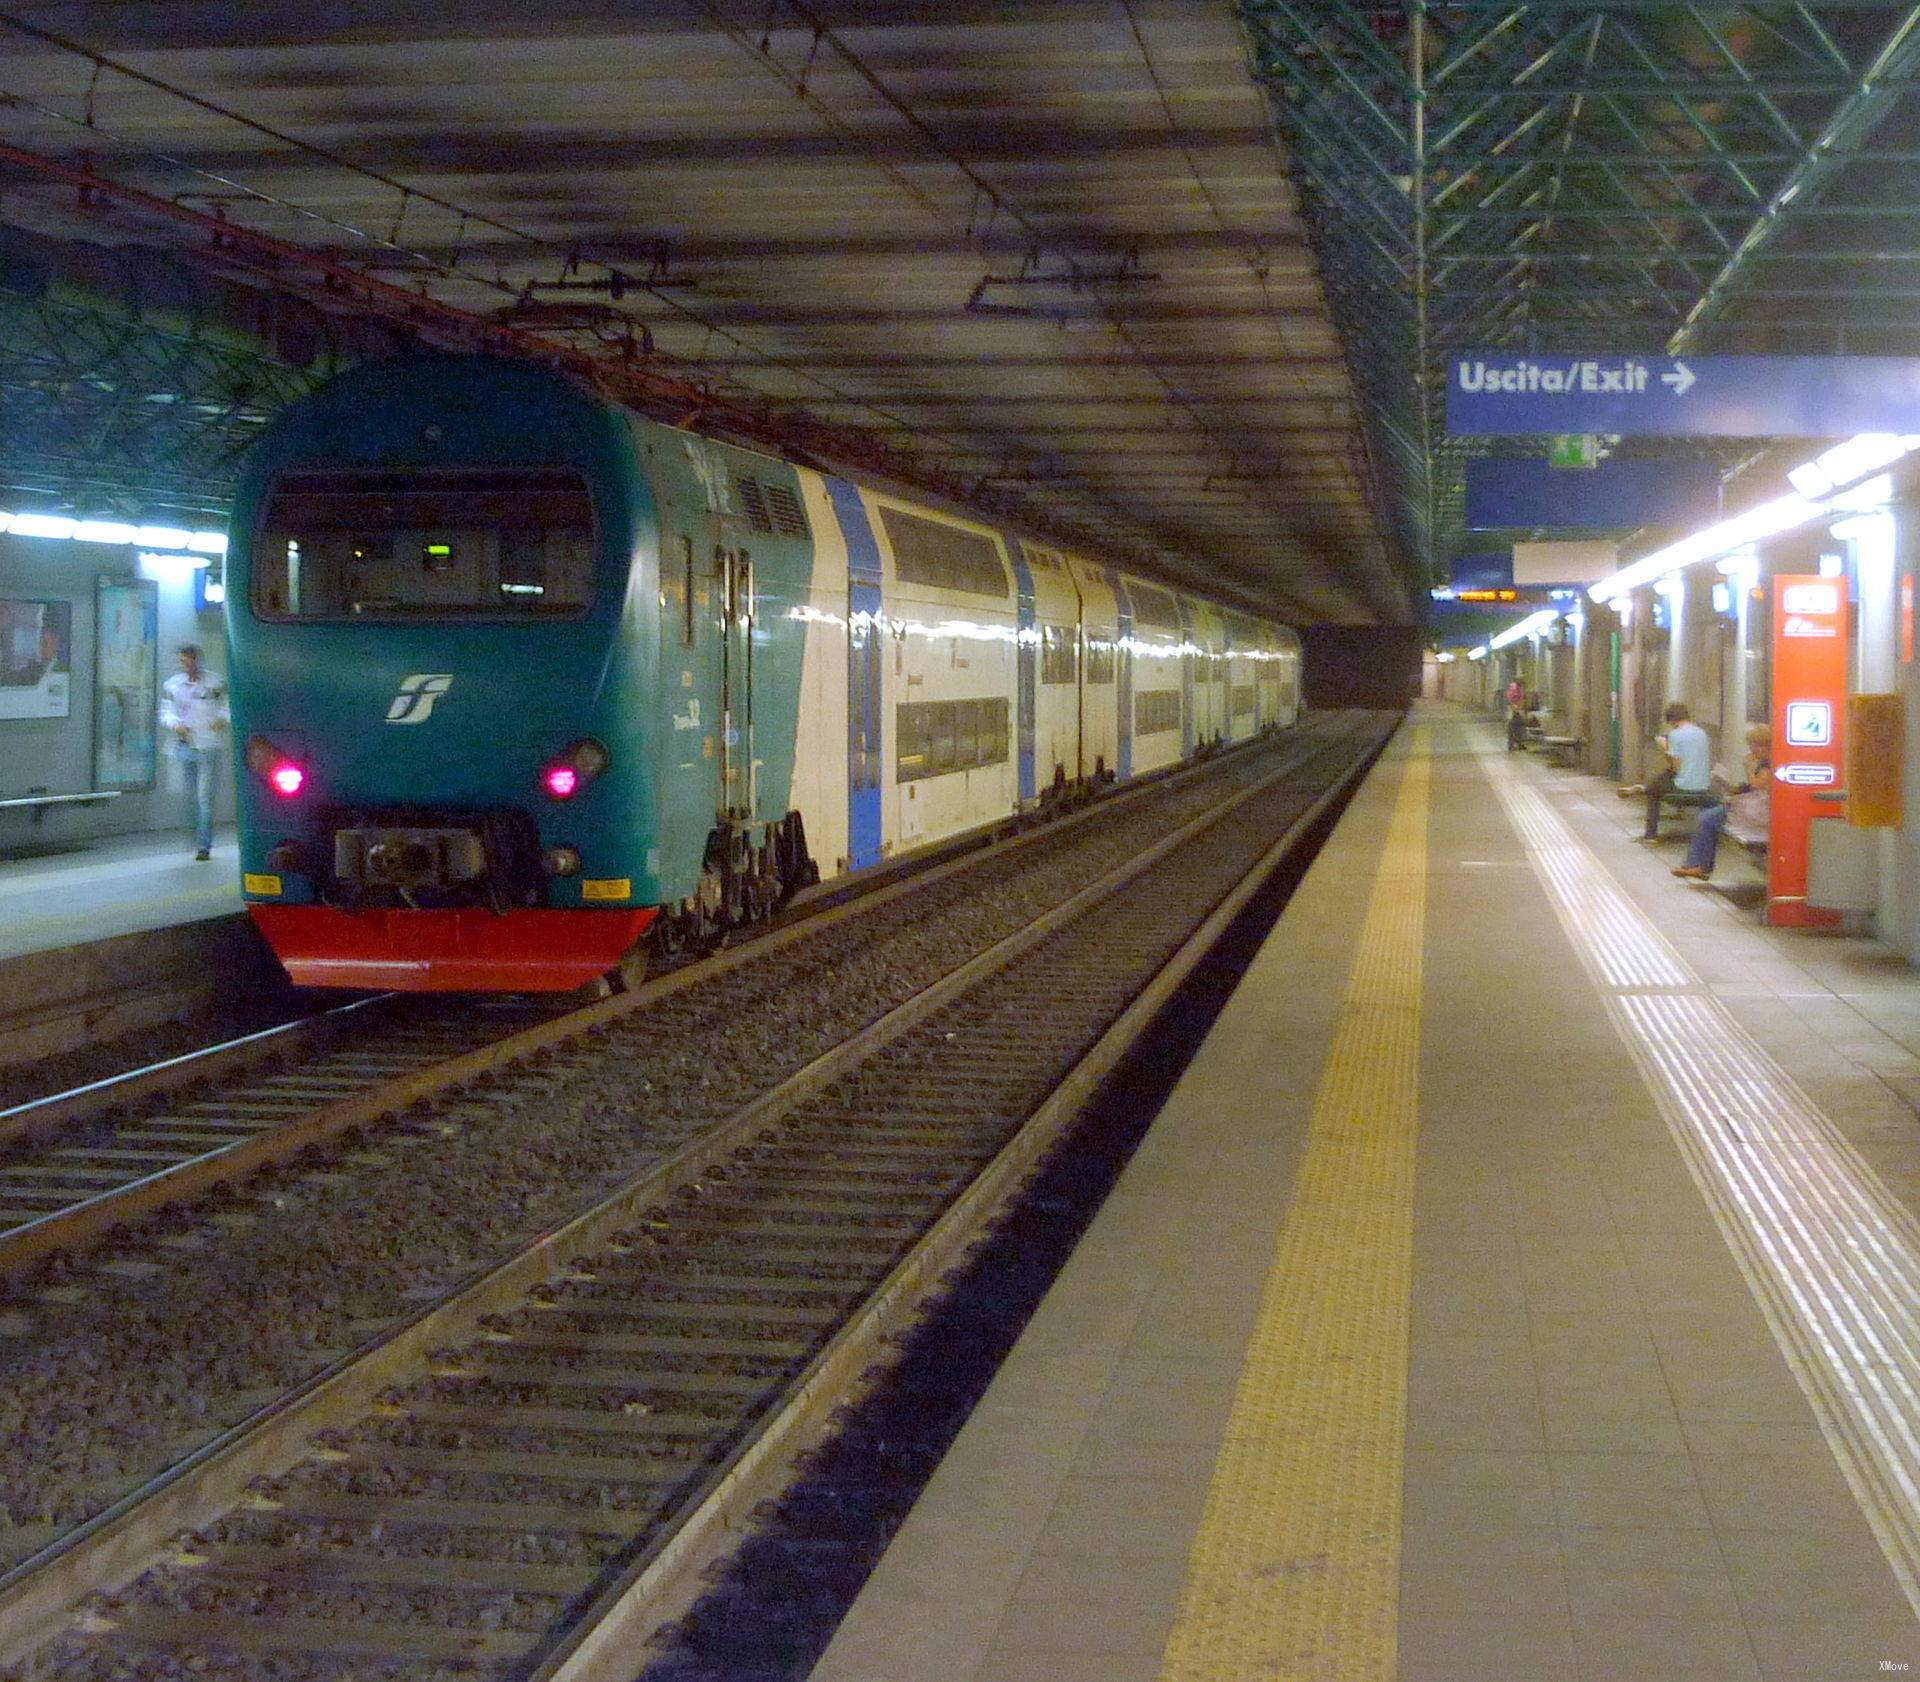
pixel 433 667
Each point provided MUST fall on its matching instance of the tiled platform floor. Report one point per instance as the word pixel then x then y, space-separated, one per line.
pixel 1608 1467
pixel 51 899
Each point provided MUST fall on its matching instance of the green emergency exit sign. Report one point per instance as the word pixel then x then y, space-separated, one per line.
pixel 1574 450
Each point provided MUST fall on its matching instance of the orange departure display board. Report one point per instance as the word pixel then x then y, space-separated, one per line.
pixel 1809 730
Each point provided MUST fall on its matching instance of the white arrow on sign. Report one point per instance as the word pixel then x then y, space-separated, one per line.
pixel 1807 776
pixel 1680 379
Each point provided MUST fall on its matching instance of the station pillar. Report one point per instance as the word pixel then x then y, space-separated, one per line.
pixel 1601 654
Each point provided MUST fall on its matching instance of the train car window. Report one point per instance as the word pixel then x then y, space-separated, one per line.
pixel 934 737
pixel 498 543
pixel 1058 658
pixel 1099 661
pixel 966 733
pixel 1242 699
pixel 911 745
pixel 1154 608
pixel 931 552
pixel 1155 710
pixel 940 723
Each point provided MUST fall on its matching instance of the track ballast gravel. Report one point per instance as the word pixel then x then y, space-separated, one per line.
pixel 120 1364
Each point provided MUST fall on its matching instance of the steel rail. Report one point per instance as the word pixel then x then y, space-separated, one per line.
pixel 61 1112
pixel 40 1597
pixel 86 1219
pixel 636 1611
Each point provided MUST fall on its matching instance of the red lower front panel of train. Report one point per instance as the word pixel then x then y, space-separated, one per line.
pixel 462 951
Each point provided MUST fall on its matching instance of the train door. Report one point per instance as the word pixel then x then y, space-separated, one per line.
pixel 865 630
pixel 732 588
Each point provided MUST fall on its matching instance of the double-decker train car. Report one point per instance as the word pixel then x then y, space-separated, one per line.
pixel 521 678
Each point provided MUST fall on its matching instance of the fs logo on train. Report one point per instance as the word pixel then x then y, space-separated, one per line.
pixel 414 703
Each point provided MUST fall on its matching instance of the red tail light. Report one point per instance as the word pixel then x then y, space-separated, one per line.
pixel 283 775
pixel 573 767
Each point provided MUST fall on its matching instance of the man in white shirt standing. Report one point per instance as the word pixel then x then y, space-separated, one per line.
pixel 193 705
pixel 1688 777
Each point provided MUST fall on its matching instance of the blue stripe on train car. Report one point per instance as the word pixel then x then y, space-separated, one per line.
pixel 1026 661
pixel 1186 677
pixel 864 733
pixel 1123 672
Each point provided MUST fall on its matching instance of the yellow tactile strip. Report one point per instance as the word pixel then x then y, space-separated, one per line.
pixel 1296 1565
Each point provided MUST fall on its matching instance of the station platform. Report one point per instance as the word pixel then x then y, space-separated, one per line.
pixel 55 897
pixel 1522 1283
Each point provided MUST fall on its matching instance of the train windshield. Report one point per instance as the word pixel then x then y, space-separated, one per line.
pixel 497 543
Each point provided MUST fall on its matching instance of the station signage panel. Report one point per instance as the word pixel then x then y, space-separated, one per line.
pixel 1509 492
pixel 1809 746
pixel 1497 393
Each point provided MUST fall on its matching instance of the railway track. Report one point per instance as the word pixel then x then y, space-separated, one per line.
pixel 527 1477
pixel 80 1164
pixel 77 1166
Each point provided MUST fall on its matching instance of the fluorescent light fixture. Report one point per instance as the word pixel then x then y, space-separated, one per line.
pixel 1445 656
pixel 1856 458
pixel 1722 598
pixel 1479 653
pixel 1531 626
pixel 1768 520
pixel 1864 453
pixel 42 525
pixel 171 569
pixel 1670 584
pixel 1866 497
pixel 155 539
pixel 1441 592
pixel 102 531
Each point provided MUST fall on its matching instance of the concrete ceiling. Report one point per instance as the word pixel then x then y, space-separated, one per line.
pixel 1050 248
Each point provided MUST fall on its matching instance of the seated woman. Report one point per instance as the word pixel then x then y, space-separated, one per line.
pixel 1745 810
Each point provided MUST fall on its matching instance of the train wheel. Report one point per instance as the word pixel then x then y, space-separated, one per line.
pixel 628 974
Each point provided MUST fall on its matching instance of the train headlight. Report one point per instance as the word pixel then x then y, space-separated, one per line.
pixel 561 861
pixel 574 767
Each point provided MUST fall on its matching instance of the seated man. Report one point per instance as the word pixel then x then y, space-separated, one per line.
pixel 1688 777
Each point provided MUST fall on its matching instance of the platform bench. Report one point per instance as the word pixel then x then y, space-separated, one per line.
pixel 1563 750
pixel 38 804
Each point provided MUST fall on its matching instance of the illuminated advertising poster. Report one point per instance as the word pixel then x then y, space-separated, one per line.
pixel 36 659
pixel 125 670
pixel 1809 717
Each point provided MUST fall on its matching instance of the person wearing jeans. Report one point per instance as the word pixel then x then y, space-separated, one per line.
pixel 1747 807
pixel 193 706
pixel 1688 778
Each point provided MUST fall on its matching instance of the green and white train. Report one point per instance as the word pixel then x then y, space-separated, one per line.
pixel 521 678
